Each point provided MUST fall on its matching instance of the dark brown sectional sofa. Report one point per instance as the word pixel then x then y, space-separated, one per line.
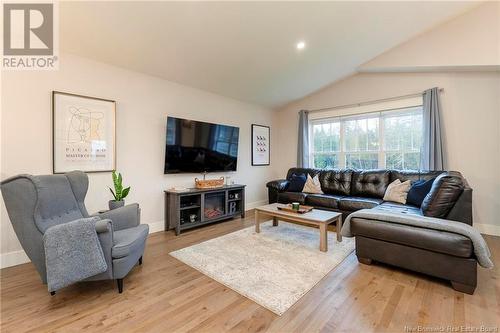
pixel 442 254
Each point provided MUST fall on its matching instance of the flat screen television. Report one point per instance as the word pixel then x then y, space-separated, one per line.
pixel 197 147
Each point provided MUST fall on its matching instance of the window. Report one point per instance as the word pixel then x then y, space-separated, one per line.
pixel 383 139
pixel 402 139
pixel 326 145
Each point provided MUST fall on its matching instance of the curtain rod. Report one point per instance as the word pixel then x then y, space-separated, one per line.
pixel 369 102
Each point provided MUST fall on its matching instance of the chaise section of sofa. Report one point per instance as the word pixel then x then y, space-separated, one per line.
pixel 441 254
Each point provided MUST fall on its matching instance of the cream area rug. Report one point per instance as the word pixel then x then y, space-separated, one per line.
pixel 274 268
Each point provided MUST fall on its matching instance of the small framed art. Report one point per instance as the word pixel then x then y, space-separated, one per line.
pixel 261 145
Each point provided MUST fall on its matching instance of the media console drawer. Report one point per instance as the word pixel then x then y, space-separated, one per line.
pixel 196 207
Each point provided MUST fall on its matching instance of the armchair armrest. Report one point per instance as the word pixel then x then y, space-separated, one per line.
pixel 279 185
pixel 104 230
pixel 103 226
pixel 124 217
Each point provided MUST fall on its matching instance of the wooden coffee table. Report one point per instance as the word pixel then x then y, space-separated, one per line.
pixel 316 217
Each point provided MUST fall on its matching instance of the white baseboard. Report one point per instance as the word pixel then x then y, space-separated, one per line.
pixel 13 258
pixel 255 204
pixel 19 257
pixel 156 226
pixel 488 229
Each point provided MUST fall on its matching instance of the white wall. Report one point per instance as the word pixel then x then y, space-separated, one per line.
pixel 143 104
pixel 471 118
pixel 469 41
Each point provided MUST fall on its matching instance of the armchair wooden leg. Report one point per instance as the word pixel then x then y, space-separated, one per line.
pixel 52 293
pixel 120 285
pixel 140 260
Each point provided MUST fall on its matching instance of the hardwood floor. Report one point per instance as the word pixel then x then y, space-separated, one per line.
pixel 165 295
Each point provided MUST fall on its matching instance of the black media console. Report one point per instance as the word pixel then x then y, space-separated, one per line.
pixel 194 207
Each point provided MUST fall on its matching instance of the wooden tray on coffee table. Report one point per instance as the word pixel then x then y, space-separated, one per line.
pixel 302 209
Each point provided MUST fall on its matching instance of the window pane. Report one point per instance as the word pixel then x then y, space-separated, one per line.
pixel 361 160
pixel 394 161
pixel 412 161
pixel 326 161
pixel 403 161
pixel 326 137
pixel 403 131
pixel 361 134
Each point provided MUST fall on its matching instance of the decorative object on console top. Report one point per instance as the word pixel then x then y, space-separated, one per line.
pixel 208 183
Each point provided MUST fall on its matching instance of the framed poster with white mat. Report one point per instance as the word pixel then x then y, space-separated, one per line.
pixel 261 145
pixel 83 133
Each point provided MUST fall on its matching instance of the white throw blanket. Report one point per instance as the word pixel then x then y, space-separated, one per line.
pixel 481 249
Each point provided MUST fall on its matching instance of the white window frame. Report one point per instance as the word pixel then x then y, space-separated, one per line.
pixel 380 110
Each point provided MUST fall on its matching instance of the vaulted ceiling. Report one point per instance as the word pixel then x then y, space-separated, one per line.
pixel 246 50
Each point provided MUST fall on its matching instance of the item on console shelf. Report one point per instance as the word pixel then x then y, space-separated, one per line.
pixel 213 213
pixel 232 207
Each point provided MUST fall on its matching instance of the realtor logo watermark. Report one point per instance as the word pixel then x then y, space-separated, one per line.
pixel 30 36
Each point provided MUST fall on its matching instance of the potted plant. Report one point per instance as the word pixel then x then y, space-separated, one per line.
pixel 119 193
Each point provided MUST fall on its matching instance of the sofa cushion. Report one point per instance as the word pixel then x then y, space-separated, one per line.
pixel 418 191
pixel 312 185
pixel 323 200
pixel 357 203
pixel 427 239
pixel 397 191
pixel 307 171
pixel 129 240
pixel 296 182
pixel 287 197
pixel 393 207
pixel 336 181
pixel 444 192
pixel 370 183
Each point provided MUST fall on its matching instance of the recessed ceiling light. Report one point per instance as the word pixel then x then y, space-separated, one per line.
pixel 301 45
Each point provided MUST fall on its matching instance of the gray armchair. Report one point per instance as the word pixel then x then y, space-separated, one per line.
pixel 35 203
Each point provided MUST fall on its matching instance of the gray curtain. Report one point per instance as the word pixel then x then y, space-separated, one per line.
pixel 433 153
pixel 303 144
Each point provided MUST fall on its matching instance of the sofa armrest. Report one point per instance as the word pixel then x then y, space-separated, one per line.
pixel 124 217
pixel 279 185
pixel 462 210
pixel 276 186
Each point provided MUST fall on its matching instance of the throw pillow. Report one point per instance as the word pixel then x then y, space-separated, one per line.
pixel 312 185
pixel 397 191
pixel 297 182
pixel 444 193
pixel 418 191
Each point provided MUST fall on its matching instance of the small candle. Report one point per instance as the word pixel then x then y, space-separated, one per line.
pixel 295 205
